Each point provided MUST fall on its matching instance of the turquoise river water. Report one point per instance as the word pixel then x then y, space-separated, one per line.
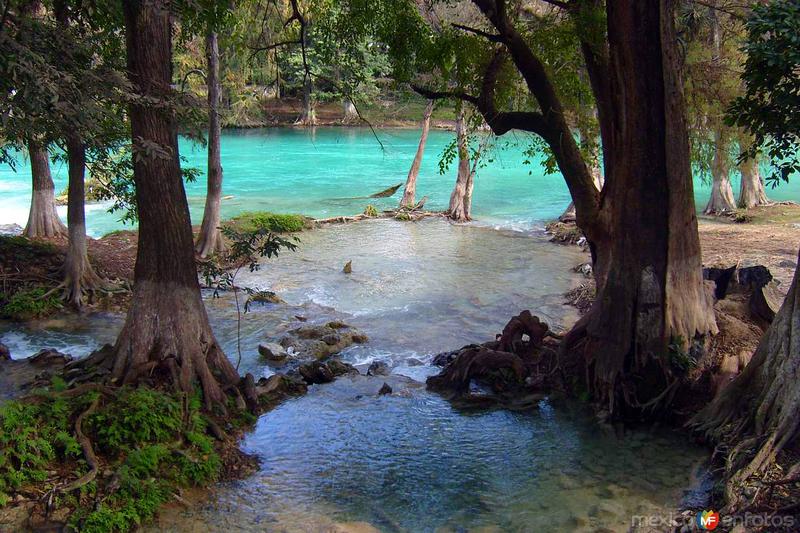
pixel 318 173
pixel 343 458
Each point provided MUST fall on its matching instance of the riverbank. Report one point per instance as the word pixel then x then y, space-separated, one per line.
pixel 407 114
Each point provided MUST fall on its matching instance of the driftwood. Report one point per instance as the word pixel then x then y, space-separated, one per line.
pixel 414 214
pixel 386 193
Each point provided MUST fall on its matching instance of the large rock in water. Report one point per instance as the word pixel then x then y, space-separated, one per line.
pixel 321 341
pixel 272 352
pixel 317 372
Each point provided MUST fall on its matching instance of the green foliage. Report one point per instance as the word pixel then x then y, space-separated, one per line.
pixel 371 211
pixel 27 304
pixel 770 107
pixel 152 441
pixel 32 436
pixel 139 416
pixel 272 222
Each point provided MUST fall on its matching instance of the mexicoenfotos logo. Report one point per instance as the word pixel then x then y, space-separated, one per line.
pixel 707 520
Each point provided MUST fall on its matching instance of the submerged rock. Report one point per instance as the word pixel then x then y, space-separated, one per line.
pixel 272 352
pixel 385 389
pixel 321 341
pixel 264 297
pixel 317 372
pixel 378 368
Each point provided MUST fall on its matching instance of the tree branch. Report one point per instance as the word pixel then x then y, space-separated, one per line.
pixel 557 3
pixel 489 36
pixel 430 94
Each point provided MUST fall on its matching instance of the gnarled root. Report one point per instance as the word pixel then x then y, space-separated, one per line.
pixel 760 407
pixel 478 363
pixel 88 453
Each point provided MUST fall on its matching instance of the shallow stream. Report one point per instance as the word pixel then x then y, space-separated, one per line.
pixel 344 457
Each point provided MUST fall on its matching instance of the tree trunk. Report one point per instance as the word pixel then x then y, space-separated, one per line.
pixel 652 292
pixel 758 410
pixel 309 116
pixel 410 190
pixel 752 192
pixel 569 214
pixel 43 219
pixel 721 200
pixel 461 196
pixel 350 112
pixel 210 240
pixel 166 336
pixel 79 276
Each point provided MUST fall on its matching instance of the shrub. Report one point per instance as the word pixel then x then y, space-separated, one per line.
pixel 274 222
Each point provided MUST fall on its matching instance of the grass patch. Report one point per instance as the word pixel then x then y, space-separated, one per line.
pixel 149 444
pixel 273 222
pixel 27 304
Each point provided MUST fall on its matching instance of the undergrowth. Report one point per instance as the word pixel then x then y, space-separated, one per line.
pixel 149 444
pixel 25 266
pixel 29 303
pixel 274 222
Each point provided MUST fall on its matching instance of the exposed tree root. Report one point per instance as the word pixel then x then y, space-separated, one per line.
pixel 759 409
pixel 88 453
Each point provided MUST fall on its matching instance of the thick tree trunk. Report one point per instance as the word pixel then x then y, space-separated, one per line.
pixel 166 335
pixel 651 293
pixel 210 240
pixel 43 219
pixel 752 192
pixel 79 276
pixel 721 200
pixel 461 196
pixel 410 190
pixel 758 411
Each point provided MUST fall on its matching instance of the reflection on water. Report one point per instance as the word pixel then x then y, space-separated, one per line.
pixel 410 461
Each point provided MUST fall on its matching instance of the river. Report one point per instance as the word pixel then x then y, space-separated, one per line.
pixel 408 461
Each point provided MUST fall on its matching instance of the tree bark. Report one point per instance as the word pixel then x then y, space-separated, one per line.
pixel 752 192
pixel 43 219
pixel 569 214
pixel 79 276
pixel 210 240
pixel 652 293
pixel 410 190
pixel 721 200
pixel 166 336
pixel 758 410
pixel 461 197
pixel 309 116
pixel 350 112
